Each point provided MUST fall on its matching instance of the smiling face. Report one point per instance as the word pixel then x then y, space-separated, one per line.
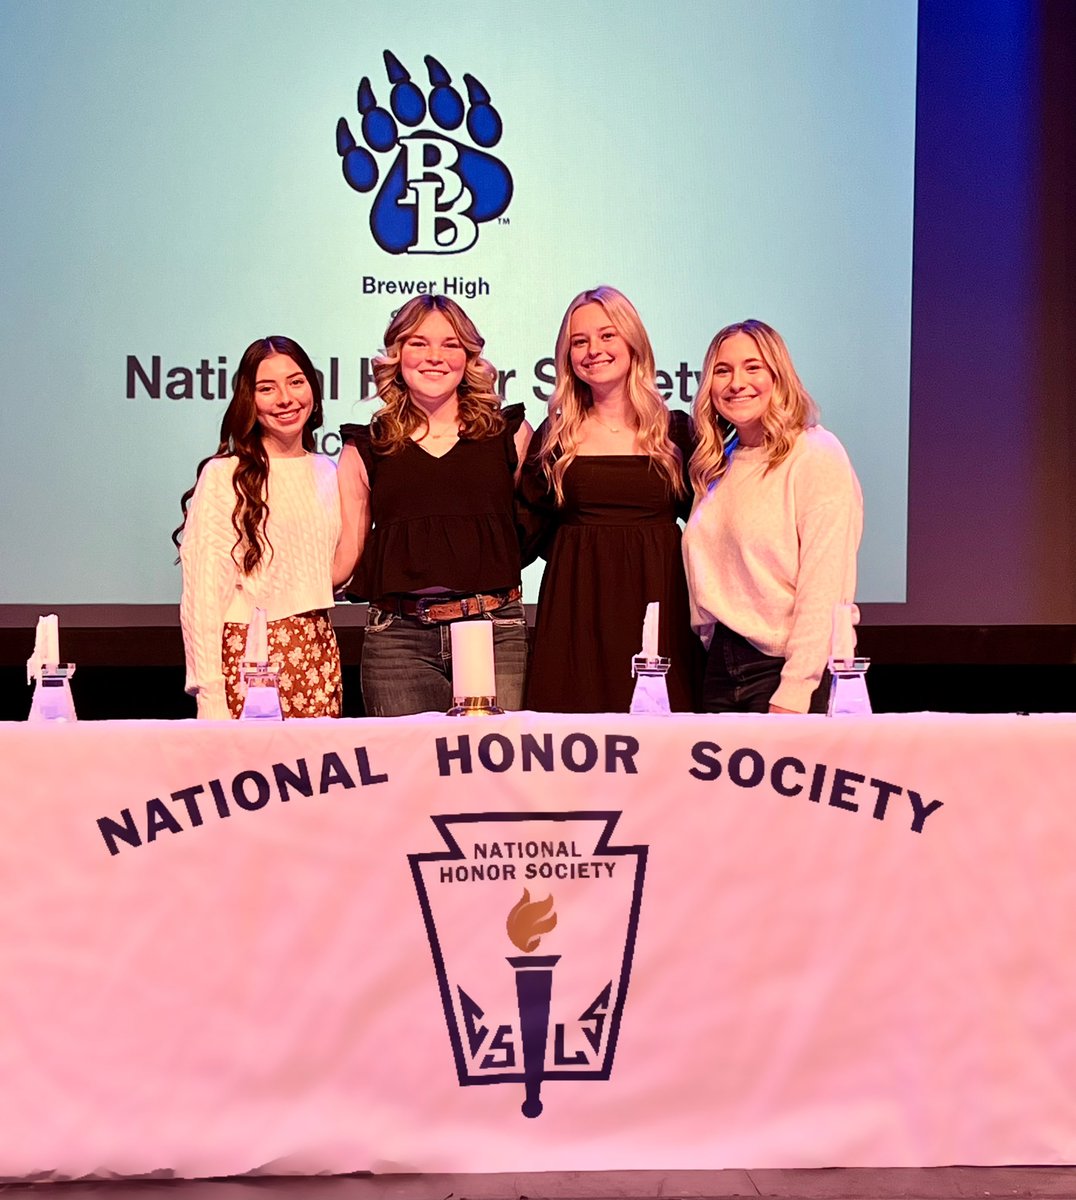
pixel 433 360
pixel 741 386
pixel 283 400
pixel 597 351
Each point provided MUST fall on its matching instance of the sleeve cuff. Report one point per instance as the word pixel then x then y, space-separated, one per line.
pixel 795 694
pixel 212 706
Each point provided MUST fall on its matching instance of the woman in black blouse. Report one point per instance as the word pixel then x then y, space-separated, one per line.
pixel 427 497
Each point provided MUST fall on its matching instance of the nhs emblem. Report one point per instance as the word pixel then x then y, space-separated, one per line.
pixel 532 921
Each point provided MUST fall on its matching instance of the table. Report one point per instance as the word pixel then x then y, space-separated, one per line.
pixel 537 942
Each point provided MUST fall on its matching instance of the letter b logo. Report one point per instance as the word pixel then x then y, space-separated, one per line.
pixel 441 200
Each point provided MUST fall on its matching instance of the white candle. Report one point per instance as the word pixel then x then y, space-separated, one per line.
pixel 46 647
pixel 843 641
pixel 472 659
pixel 650 630
pixel 257 638
pixel 48 629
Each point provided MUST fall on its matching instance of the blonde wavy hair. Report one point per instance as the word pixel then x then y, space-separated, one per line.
pixel 479 405
pixel 790 412
pixel 571 399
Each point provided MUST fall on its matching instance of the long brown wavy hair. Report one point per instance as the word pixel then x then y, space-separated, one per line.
pixel 241 436
pixel 477 400
pixel 571 397
pixel 791 408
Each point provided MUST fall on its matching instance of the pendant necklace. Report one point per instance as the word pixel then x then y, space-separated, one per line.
pixel 611 428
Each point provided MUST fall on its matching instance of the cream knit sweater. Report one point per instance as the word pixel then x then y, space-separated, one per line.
pixel 769 554
pixel 303 528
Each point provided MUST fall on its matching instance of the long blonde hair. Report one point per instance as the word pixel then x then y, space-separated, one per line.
pixel 571 397
pixel 479 405
pixel 791 409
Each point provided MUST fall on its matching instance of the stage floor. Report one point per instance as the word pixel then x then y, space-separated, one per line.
pixel 916 1183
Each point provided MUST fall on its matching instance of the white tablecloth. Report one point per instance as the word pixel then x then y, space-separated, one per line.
pixel 690 943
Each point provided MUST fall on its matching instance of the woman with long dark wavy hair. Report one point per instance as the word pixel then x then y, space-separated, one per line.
pixel 603 487
pixel 261 529
pixel 427 494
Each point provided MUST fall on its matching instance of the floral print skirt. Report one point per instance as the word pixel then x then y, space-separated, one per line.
pixel 303 649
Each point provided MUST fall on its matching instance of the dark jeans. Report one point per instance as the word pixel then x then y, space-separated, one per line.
pixel 407 664
pixel 740 678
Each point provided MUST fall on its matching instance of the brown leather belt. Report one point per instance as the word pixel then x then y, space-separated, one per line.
pixel 429 609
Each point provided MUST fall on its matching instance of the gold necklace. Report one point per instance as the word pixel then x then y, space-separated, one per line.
pixel 611 428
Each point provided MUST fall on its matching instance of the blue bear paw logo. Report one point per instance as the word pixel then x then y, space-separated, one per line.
pixel 437 190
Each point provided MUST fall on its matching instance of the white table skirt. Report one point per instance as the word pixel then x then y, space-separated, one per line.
pixel 738 942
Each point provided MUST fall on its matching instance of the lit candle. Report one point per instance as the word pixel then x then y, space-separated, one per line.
pixel 257 638
pixel 472 659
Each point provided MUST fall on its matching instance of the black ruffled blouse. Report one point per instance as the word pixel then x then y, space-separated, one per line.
pixel 440 522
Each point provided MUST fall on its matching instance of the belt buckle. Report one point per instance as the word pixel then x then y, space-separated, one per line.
pixel 465 606
pixel 421 605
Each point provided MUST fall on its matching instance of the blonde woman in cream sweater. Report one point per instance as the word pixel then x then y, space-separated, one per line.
pixel 771 543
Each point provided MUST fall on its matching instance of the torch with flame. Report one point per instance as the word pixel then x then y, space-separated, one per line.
pixel 527 923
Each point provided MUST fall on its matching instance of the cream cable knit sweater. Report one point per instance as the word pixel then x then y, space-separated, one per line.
pixel 770 554
pixel 303 528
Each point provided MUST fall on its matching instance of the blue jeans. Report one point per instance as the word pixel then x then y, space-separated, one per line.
pixel 740 678
pixel 407 664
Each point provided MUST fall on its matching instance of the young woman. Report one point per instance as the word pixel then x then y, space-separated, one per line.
pixel 606 480
pixel 427 491
pixel 771 545
pixel 261 529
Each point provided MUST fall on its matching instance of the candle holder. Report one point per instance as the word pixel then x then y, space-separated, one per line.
pixel 262 702
pixel 848 687
pixel 52 694
pixel 651 695
pixel 474 706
